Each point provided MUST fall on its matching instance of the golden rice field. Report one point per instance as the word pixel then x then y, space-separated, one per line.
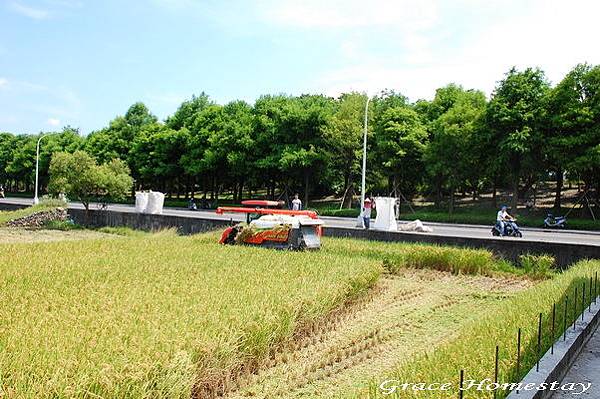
pixel 155 316
pixel 164 316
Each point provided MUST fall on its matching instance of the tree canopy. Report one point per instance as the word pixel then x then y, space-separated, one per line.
pixel 527 131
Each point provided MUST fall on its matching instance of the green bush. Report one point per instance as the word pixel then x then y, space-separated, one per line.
pixel 63 225
pixel 537 265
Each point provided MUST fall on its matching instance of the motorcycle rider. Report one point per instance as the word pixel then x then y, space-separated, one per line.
pixel 502 217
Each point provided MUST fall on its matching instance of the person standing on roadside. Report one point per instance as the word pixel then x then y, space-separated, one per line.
pixel 296 203
pixel 367 212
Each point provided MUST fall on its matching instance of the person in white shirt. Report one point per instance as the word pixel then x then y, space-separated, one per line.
pixel 502 217
pixel 296 203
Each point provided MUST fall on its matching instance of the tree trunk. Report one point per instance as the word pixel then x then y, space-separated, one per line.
pixel 451 203
pixel 559 186
pixel 306 181
pixel 396 195
pixel 272 195
pixel 515 193
pixel 212 189
pixel 494 193
pixel 349 194
pixel 438 192
pixel 348 191
pixel 241 190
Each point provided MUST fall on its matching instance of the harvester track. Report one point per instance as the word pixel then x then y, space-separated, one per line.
pixel 407 315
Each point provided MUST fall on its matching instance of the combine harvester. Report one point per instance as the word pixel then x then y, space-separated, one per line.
pixel 268 227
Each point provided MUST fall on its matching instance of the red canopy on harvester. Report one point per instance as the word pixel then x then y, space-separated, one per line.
pixel 263 211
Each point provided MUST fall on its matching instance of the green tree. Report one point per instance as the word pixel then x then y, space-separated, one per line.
pixel 400 141
pixel 68 140
pixel 22 165
pixel 186 114
pixel 586 162
pixel 230 146
pixel 116 140
pixel 514 118
pixel 79 176
pixel 156 154
pixel 196 160
pixel 343 136
pixel 573 133
pixel 302 153
pixel 7 147
pixel 430 112
pixel 451 156
pixel 290 138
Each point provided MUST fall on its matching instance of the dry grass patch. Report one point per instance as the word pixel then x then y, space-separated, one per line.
pixel 12 235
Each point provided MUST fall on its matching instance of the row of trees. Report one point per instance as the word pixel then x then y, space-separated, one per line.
pixel 459 141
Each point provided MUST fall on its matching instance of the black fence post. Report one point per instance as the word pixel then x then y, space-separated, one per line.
pixel 460 386
pixel 595 287
pixel 583 302
pixel 496 370
pixel 575 310
pixel 565 319
pixel 553 329
pixel 539 343
pixel 591 296
pixel 519 355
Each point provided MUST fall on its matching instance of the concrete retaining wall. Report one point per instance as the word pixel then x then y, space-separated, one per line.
pixel 184 225
pixel 564 253
pixel 554 366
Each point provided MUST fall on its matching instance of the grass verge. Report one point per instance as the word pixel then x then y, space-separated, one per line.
pixel 397 256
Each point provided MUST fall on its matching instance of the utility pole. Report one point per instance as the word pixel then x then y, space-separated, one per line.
pixel 364 167
pixel 36 200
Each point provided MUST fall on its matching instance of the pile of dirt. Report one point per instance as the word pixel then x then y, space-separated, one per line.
pixel 39 219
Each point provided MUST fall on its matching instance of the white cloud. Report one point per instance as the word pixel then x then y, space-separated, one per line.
pixel 404 14
pixel 552 34
pixel 53 122
pixel 28 11
pixel 3 82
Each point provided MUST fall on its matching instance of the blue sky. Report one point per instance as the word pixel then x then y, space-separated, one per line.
pixel 81 63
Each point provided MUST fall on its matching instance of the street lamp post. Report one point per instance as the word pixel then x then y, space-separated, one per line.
pixel 364 168
pixel 36 200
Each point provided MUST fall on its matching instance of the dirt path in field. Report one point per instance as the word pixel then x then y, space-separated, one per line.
pixel 408 315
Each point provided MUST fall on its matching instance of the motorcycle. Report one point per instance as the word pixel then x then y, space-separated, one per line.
pixel 510 229
pixel 552 221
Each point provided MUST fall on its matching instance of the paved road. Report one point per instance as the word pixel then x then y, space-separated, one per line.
pixel 444 229
pixel 586 369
